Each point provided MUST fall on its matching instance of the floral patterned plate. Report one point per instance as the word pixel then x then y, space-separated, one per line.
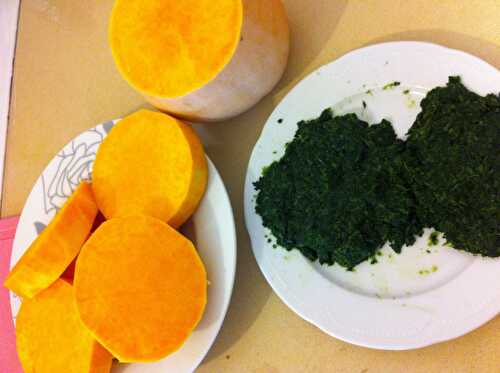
pixel 211 229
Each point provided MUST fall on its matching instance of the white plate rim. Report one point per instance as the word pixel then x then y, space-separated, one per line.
pixel 279 281
pixel 182 360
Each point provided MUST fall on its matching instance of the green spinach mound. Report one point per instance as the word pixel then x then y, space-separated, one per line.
pixel 453 164
pixel 339 192
pixel 344 188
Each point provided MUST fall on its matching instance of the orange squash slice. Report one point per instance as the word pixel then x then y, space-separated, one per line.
pixel 140 288
pixel 200 59
pixel 55 248
pixel 151 164
pixel 51 337
pixel 69 272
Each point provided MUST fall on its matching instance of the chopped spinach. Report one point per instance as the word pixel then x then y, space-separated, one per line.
pixel 338 194
pixel 390 85
pixel 453 164
pixel 433 239
pixel 344 188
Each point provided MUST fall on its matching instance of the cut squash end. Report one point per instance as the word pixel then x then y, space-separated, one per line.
pixel 170 48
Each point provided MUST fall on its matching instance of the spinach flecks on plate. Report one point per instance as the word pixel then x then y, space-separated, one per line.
pixel 453 163
pixel 338 194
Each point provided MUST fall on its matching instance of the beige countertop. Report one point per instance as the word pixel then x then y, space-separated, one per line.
pixel 65 82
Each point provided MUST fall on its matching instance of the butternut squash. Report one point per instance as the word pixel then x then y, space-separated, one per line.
pixel 140 288
pixel 69 272
pixel 51 337
pixel 56 247
pixel 200 59
pixel 151 164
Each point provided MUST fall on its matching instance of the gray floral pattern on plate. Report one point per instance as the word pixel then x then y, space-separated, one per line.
pixel 75 165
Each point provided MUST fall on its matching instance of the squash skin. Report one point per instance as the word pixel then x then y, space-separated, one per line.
pixel 51 337
pixel 152 164
pixel 256 66
pixel 140 288
pixel 55 248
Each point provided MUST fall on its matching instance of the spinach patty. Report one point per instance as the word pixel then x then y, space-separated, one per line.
pixel 339 192
pixel 453 164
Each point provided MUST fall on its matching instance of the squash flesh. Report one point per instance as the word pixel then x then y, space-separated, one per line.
pixel 151 164
pixel 140 288
pixel 255 68
pixel 169 48
pixel 51 338
pixel 55 248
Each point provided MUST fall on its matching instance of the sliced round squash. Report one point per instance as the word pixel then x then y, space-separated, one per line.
pixel 51 338
pixel 140 288
pixel 200 59
pixel 151 164
pixel 55 248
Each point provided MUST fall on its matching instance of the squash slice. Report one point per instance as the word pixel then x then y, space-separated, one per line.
pixel 151 164
pixel 51 337
pixel 140 288
pixel 55 248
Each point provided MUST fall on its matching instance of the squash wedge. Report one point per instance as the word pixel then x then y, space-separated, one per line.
pixel 55 248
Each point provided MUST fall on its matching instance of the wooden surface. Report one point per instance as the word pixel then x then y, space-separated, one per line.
pixel 65 82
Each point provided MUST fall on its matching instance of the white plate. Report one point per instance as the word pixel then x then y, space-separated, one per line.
pixel 211 229
pixel 405 301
